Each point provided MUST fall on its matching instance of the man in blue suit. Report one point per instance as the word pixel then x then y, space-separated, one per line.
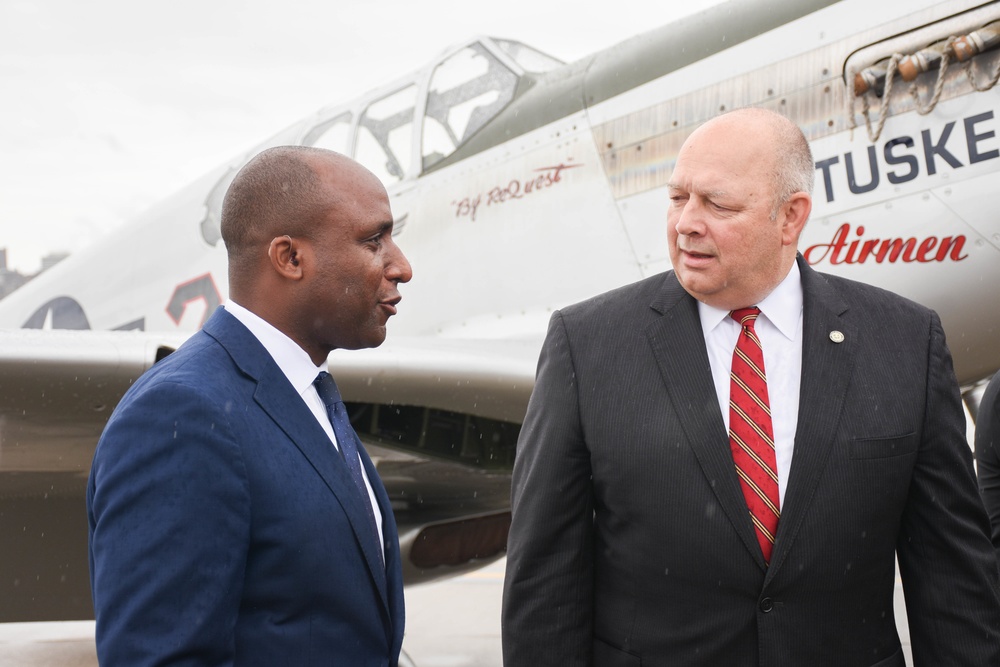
pixel 225 525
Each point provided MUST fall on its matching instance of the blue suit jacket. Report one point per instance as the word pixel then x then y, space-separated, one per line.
pixel 225 528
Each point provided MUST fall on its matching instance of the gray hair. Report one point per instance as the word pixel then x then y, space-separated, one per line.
pixel 793 169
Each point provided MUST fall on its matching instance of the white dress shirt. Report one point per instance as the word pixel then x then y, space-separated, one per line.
pixel 301 372
pixel 779 328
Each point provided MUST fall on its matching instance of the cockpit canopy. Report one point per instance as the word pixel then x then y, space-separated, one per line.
pixel 403 129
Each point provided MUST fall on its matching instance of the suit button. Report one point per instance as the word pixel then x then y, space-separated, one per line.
pixel 766 605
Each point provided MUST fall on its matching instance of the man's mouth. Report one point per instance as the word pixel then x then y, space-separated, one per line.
pixel 390 304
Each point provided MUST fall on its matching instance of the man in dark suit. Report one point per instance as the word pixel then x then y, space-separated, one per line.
pixel 988 453
pixel 234 520
pixel 692 488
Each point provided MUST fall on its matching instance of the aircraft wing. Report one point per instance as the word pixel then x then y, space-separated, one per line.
pixel 485 378
pixel 439 417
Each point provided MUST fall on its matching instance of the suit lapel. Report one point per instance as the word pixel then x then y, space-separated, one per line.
pixel 287 409
pixel 282 404
pixel 679 348
pixel 826 372
pixel 393 565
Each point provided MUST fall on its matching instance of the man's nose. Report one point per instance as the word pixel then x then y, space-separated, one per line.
pixel 398 267
pixel 689 220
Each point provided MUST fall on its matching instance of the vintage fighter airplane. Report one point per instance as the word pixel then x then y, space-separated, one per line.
pixel 519 185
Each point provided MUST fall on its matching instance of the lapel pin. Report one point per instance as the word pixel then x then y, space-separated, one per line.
pixel 836 337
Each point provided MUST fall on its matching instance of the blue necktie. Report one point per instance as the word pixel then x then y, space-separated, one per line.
pixel 347 441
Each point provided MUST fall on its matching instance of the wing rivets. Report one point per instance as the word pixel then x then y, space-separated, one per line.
pixel 836 337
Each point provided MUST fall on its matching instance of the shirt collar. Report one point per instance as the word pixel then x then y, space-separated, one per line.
pixel 781 307
pixel 293 361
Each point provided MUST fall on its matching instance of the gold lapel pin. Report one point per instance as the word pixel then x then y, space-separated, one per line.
pixel 836 337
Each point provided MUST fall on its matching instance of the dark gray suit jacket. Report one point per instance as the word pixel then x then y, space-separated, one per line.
pixel 631 542
pixel 225 528
pixel 988 453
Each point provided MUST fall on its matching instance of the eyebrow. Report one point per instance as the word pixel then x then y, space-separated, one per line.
pixel 383 228
pixel 710 194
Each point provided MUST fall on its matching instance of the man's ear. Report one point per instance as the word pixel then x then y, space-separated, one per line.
pixel 796 211
pixel 285 255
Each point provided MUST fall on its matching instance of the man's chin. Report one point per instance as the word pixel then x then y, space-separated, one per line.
pixel 364 340
pixel 695 284
pixel 372 339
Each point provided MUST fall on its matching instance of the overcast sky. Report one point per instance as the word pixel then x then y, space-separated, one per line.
pixel 107 106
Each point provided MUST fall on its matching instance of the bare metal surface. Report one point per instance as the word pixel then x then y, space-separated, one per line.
pixel 598 77
pixel 639 149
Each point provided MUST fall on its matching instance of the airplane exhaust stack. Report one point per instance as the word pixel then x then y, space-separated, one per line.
pixel 915 64
pixel 911 65
pixel 984 39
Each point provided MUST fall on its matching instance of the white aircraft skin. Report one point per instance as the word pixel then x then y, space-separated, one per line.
pixel 557 197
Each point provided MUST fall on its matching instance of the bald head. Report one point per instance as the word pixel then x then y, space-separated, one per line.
pixel 791 164
pixel 309 237
pixel 279 191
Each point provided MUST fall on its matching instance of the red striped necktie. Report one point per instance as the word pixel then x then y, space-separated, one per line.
pixel 751 436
